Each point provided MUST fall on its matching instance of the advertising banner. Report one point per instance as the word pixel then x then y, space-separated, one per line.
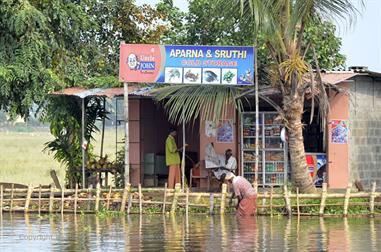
pixel 339 132
pixel 178 64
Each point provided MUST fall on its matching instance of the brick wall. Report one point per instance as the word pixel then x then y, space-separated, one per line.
pixel 365 130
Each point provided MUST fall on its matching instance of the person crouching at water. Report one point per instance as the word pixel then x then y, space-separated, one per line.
pixel 242 189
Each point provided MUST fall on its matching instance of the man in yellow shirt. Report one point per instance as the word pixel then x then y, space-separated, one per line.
pixel 172 159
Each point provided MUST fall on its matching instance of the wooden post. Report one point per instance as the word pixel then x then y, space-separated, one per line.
pixel 75 198
pixel 124 197
pixel 108 198
pixel 62 199
pixel 346 199
pixel 271 200
pixel 89 197
pixel 371 199
pixel 287 200
pixel 83 118
pixel 54 176
pixel 255 186
pixel 140 199
pixel 165 197
pixel 323 199
pixel 39 200
pixel 264 201
pixel 187 203
pixel 97 197
pixel 51 199
pixel 12 195
pixel 1 199
pixel 211 204
pixel 129 203
pixel 256 89
pixel 126 136
pixel 223 199
pixel 297 201
pixel 175 198
pixel 27 201
pixel 183 156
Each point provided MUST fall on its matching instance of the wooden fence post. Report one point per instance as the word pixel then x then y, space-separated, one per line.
pixel 271 200
pixel 124 197
pixel 75 198
pixel 129 205
pixel 39 200
pixel 264 201
pixel 62 199
pixel 28 196
pixel 165 197
pixel 223 199
pixel 187 203
pixel 371 199
pixel 255 186
pixel 12 195
pixel 89 196
pixel 175 198
pixel 1 199
pixel 346 199
pixel 211 204
pixel 140 199
pixel 287 200
pixel 97 197
pixel 297 201
pixel 51 199
pixel 108 198
pixel 323 199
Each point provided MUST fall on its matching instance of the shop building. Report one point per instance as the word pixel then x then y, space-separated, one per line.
pixel 350 151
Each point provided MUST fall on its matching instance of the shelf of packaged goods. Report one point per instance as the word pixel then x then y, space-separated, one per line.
pixel 266 124
pixel 250 173
pixel 272 172
pixel 272 136
pixel 251 162
pixel 274 162
pixel 252 150
pixel 273 149
pixel 250 137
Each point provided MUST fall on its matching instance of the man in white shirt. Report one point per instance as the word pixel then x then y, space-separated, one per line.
pixel 229 166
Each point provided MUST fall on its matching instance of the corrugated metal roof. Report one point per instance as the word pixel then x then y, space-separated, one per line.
pixel 108 92
pixel 334 78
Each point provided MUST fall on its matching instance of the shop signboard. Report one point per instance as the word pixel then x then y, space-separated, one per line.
pixel 179 64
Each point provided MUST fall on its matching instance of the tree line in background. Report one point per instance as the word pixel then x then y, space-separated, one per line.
pixel 48 45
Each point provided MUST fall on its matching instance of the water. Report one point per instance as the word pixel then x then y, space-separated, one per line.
pixel 19 232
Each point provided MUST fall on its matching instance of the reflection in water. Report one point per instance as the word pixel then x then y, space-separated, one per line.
pixel 190 233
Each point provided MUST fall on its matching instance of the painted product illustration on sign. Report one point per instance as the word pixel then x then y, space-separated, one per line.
pixel 339 132
pixel 211 75
pixel 192 75
pixel 173 75
pixel 229 76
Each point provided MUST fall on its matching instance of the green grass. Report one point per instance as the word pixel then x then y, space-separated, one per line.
pixel 22 160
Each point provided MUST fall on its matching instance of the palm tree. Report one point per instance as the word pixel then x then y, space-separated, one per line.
pixel 281 24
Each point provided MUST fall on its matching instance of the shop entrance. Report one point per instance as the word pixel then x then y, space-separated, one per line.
pixel 154 129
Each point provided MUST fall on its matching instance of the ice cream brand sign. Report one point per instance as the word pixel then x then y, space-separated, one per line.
pixel 219 65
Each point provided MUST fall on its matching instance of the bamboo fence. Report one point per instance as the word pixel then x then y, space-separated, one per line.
pixel 51 200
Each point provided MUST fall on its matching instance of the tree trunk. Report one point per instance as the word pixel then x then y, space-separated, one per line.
pixel 293 108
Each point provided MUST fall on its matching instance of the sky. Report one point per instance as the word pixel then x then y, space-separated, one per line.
pixel 361 41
